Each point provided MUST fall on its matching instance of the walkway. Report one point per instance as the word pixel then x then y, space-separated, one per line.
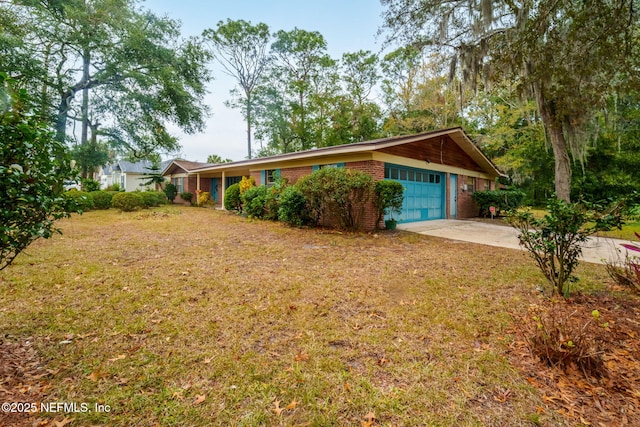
pixel 597 249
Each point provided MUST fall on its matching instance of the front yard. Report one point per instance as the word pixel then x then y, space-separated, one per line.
pixel 198 317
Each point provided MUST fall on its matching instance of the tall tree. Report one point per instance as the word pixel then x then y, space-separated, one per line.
pixel 242 50
pixel 567 55
pixel 124 73
pixel 299 55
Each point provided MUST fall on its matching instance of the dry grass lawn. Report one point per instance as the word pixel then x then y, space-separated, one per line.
pixel 195 317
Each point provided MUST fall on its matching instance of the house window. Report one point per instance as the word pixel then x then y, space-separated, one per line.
pixel 270 177
pixel 230 180
pixel 470 184
pixel 179 183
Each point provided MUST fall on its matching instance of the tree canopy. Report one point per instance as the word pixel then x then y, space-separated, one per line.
pixel 567 56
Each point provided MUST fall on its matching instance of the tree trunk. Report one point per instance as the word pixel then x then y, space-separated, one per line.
pixel 84 137
pixel 553 125
pixel 249 124
pixel 562 164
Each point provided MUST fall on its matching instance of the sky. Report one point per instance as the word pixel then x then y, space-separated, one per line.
pixel 347 26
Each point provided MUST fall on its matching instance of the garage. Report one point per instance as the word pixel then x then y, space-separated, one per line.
pixel 424 195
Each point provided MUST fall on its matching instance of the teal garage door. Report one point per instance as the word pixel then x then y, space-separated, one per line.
pixel 424 192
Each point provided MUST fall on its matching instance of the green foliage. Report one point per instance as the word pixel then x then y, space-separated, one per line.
pixel 186 196
pixel 389 198
pixel 89 185
pixel 246 183
pixel 502 200
pixel 171 192
pixel 128 202
pixel 33 167
pixel 153 198
pixel 153 177
pixel 337 194
pixel 78 201
pixel 113 187
pixel 293 208
pixel 254 201
pixel 556 241
pixel 232 198
pixel 102 199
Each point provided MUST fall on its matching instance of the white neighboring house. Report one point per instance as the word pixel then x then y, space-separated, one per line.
pixel 129 176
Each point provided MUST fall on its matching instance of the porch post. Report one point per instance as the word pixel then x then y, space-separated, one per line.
pixel 198 182
pixel 223 187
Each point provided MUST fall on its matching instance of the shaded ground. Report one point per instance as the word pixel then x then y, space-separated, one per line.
pixel 197 317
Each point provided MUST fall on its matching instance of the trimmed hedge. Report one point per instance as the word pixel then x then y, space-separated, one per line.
pixel 78 201
pixel 128 202
pixel 153 198
pixel 102 199
pixel 502 200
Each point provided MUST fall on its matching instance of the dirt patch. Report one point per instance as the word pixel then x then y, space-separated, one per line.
pixel 609 399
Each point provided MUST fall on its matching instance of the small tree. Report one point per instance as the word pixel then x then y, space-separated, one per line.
pixel 33 167
pixel 171 191
pixel 389 198
pixel 556 241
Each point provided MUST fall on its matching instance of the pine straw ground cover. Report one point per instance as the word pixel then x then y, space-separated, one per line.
pixel 196 317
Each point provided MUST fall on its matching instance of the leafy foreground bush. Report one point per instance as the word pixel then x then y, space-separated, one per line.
pixel 293 209
pixel 254 201
pixel 389 197
pixel 232 199
pixel 128 202
pixel 502 200
pixel 337 194
pixel 33 166
pixel 555 241
pixel 80 201
pixel 102 199
pixel 186 196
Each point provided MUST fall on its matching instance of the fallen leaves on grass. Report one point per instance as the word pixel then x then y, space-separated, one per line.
pixel 199 399
pixel 611 399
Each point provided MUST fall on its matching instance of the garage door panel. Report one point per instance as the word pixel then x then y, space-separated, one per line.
pixel 424 194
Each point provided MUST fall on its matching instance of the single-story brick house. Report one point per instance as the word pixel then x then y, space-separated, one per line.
pixel 439 170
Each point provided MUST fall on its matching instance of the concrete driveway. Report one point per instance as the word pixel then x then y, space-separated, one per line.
pixel 597 250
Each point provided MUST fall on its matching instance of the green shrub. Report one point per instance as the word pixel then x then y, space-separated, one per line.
pixel 90 185
pixel 128 202
pixel 102 199
pixel 152 198
pixel 337 194
pixel 113 187
pixel 232 199
pixel 293 208
pixel 161 198
pixel 389 198
pixel 502 200
pixel 171 192
pixel 78 201
pixel 186 196
pixel 555 241
pixel 254 201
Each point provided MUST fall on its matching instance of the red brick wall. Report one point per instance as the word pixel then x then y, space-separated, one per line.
pixel 467 208
pixel 376 170
pixel 294 174
pixel 257 175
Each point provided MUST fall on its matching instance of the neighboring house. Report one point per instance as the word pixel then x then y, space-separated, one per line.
pixel 439 171
pixel 128 175
pixel 179 172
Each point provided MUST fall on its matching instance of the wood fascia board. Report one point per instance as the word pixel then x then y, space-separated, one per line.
pixel 321 160
pixel 420 164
